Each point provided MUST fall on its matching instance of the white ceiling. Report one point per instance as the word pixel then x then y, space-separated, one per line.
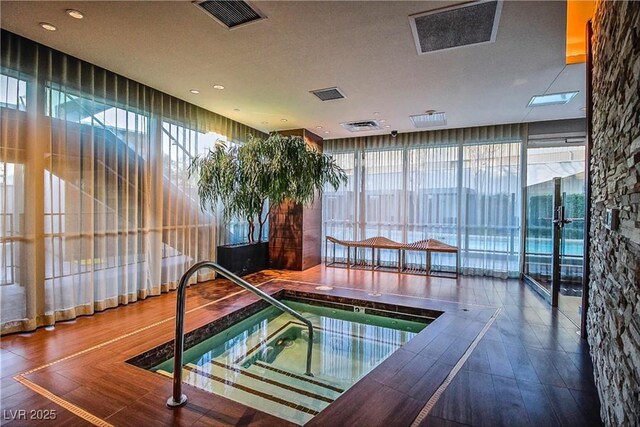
pixel 365 48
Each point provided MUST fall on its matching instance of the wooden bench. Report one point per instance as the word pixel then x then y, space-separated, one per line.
pixel 428 246
pixel 372 243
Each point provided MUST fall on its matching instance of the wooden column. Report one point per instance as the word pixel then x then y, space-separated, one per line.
pixel 295 232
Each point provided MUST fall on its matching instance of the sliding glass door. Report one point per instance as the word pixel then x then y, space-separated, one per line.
pixel 571 250
pixel 538 234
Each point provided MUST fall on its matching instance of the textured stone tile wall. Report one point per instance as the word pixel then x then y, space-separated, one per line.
pixel 613 319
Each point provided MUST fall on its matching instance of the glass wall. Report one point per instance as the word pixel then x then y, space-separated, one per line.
pixel 548 168
pixel 96 203
pixel 459 187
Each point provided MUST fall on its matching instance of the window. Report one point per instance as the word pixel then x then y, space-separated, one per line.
pixel 13 93
pixel 9 221
pixel 467 195
pixel 94 185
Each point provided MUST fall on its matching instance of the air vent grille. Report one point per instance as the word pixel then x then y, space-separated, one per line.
pixel 455 27
pixel 361 125
pixel 429 120
pixel 328 94
pixel 230 13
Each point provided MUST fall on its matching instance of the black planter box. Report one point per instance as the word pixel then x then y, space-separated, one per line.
pixel 244 259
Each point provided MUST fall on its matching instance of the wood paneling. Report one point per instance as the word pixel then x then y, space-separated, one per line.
pixel 295 231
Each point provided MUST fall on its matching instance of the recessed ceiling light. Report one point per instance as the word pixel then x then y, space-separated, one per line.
pixel 47 26
pixel 382 121
pixel 284 120
pixel 326 131
pixel 265 123
pixel 387 126
pixel 376 113
pixel 318 127
pixel 551 99
pixel 194 91
pixel 75 13
pixel 219 87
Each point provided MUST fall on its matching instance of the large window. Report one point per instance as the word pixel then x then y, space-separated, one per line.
pixel 96 206
pixel 491 208
pixel 463 194
pixel 12 294
pixel 180 145
pixel 13 92
pixel 183 221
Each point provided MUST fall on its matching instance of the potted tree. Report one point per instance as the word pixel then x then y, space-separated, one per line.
pixel 251 178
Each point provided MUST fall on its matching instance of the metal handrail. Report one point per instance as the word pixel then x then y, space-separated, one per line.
pixel 179 399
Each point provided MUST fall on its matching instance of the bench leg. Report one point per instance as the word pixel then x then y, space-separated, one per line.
pixel 373 259
pixel 326 253
pixel 334 253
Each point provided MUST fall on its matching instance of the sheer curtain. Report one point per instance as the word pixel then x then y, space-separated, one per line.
pixel 96 205
pixel 491 204
pixel 432 199
pixel 459 186
pixel 383 188
pixel 340 208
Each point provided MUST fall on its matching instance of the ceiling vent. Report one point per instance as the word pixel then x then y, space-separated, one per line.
pixel 361 125
pixel 230 13
pixel 328 94
pixel 430 119
pixel 457 26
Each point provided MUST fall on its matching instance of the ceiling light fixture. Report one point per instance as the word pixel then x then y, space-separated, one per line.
pixel 236 109
pixel 75 13
pixel 326 131
pixel 387 126
pixel 284 120
pixel 318 127
pixel 382 120
pixel 376 113
pixel 551 99
pixel 583 109
pixel 430 118
pixel 194 91
pixel 47 26
pixel 219 87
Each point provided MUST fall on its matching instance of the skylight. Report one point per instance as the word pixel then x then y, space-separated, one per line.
pixel 551 99
pixel 429 119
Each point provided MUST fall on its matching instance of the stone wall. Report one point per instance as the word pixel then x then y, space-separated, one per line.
pixel 613 321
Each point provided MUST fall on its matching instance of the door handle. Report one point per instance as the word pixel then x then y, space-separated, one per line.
pixel 559 219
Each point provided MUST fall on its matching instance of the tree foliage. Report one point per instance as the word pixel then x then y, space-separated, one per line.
pixel 260 173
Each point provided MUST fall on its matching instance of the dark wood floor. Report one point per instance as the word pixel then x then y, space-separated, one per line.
pixel 529 368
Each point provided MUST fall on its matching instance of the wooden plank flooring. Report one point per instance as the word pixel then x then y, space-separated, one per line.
pixel 530 368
